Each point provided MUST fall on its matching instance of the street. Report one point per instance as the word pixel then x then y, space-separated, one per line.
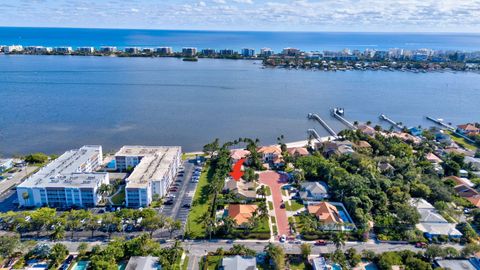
pixel 8 195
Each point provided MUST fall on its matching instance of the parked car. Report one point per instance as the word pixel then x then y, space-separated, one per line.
pixel 421 245
pixel 283 238
pixel 320 243
pixel 187 205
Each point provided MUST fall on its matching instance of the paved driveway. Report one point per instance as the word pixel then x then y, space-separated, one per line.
pixel 275 181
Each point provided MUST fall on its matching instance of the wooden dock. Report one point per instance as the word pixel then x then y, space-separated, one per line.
pixel 323 123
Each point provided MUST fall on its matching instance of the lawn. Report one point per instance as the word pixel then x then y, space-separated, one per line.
pixel 294 206
pixel 461 141
pixel 284 192
pixel 201 202
pixel 189 156
pixel 185 263
pixel 299 266
pixel 213 262
pixel 268 192
pixel 119 198
pixel 270 205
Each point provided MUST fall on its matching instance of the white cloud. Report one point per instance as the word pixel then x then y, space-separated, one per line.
pixel 243 1
pixel 219 1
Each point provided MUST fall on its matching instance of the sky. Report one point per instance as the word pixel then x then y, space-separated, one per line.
pixel 248 15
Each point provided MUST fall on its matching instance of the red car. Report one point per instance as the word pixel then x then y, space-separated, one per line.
pixel 321 243
pixel 421 245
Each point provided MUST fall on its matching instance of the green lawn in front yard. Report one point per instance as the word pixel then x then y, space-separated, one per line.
pixel 213 262
pixel 284 192
pixel 294 206
pixel 119 198
pixel 299 266
pixel 298 223
pixel 186 156
pixel 462 141
pixel 200 204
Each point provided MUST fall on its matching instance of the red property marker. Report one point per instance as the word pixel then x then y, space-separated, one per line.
pixel 236 173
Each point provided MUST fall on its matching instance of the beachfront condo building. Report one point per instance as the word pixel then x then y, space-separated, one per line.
pixel 164 50
pixel 68 181
pixel 248 52
pixel 153 168
pixel 189 51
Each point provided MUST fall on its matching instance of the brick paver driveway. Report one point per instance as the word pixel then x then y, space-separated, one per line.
pixel 275 180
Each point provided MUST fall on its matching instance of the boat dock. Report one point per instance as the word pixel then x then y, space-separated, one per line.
pixel 336 114
pixel 450 128
pixel 323 123
pixel 314 133
pixel 395 124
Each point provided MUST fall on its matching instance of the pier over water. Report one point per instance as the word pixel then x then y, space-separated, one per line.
pixel 323 123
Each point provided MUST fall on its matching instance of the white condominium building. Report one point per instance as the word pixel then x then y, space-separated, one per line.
pixel 154 169
pixel 68 181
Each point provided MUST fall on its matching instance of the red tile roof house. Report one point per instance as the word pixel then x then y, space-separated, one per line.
pixel 272 155
pixel 468 129
pixel 367 130
pixel 432 158
pixel 241 213
pixel 298 151
pixel 237 154
pixel 329 216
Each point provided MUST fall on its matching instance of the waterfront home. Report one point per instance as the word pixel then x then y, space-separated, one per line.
pixel 330 148
pixel 415 131
pixel 239 263
pixel 474 163
pixel 332 216
pixel 468 129
pixel 143 263
pixel 406 137
pixel 313 191
pixel 431 223
pixel 443 138
pixel 241 189
pixel 298 151
pixel 367 130
pixel 5 164
pixel 460 181
pixel 241 213
pixel 237 154
pixel 270 153
pixel 432 158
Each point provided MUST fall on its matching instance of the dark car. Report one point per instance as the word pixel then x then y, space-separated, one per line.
pixel 321 243
pixel 187 205
pixel 169 202
pixel 282 205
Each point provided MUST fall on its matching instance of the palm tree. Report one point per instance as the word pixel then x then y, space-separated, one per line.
pixel 94 223
pixel 208 223
pixel 339 239
pixel 228 224
pixel 262 209
pixel 173 225
pixel 262 191
pixel 105 190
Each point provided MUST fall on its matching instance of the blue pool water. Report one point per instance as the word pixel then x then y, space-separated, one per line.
pixel 371 266
pixel 81 265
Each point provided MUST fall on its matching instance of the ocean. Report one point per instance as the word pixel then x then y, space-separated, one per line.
pixel 308 41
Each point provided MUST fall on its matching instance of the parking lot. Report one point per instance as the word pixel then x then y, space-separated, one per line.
pixel 179 206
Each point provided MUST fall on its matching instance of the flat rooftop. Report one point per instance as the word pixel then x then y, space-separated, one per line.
pixel 67 170
pixel 154 165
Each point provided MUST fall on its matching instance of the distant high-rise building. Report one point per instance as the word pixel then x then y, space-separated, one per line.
pixel 266 52
pixel 227 52
pixel 248 52
pixel 291 52
pixel 189 51
pixel 85 49
pixel 108 49
pixel 132 50
pixel 209 52
pixel 164 50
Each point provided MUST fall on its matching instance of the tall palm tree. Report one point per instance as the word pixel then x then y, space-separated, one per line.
pixel 339 239
pixel 228 224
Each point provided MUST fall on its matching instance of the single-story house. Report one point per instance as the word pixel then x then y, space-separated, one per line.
pixel 406 137
pixel 237 154
pixel 363 145
pixel 314 191
pixel 367 130
pixel 6 164
pixel 239 263
pixel 462 264
pixel 432 158
pixel 241 188
pixel 468 193
pixel 143 263
pixel 298 151
pixel 474 162
pixel 431 222
pixel 241 213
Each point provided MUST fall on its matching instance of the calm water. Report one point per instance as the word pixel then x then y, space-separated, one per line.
pixel 235 40
pixel 54 103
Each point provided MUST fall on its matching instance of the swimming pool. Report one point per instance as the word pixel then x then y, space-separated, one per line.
pixel 336 267
pixel 81 265
pixel 371 266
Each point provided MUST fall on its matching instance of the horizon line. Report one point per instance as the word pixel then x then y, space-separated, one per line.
pixel 246 31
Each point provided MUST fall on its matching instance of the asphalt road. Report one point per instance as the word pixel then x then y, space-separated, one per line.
pixel 7 194
pixel 184 195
